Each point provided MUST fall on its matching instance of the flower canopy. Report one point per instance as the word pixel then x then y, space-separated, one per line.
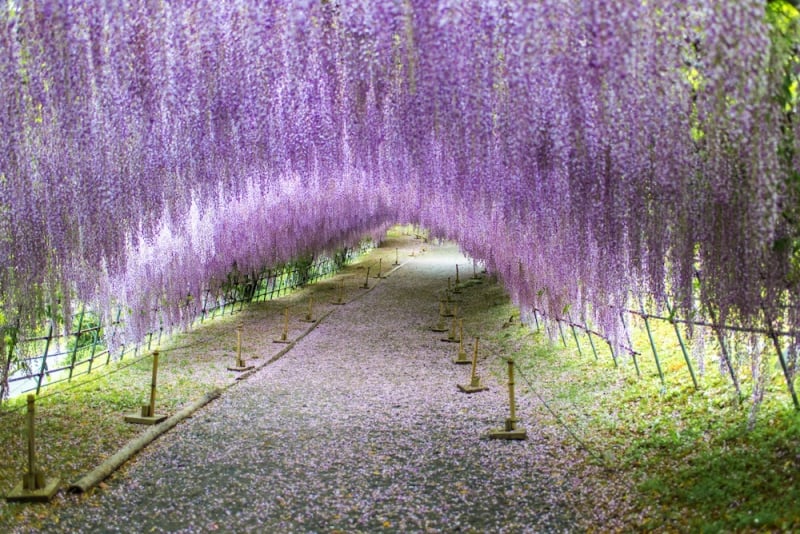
pixel 583 149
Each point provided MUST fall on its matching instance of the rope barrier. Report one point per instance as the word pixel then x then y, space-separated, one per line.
pixel 561 421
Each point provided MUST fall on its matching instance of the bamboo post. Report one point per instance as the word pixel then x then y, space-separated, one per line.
pixel 457 285
pixel 309 318
pixel 653 346
pixel 151 410
pixel 285 332
pixel 722 347
pixel 591 344
pixel 630 343
pixel 451 334
pixel 575 336
pixel 613 356
pixel 77 342
pixel 241 365
pixel 43 367
pixel 474 385
pixel 510 431
pixel 34 486
pixel 683 346
pixel 440 327
pixel 561 331
pixel 148 411
pixel 95 338
pixel 462 354
pixel 786 373
pixel 475 271
pixel 340 298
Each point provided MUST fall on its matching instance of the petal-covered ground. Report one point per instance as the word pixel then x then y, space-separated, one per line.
pixel 359 428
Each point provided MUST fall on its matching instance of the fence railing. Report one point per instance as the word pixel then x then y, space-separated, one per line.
pixel 786 352
pixel 53 358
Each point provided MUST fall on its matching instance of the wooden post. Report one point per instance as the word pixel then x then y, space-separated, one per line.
pixel 458 281
pixel 510 431
pixel 34 487
pixel 239 361
pixel 462 354
pixel 613 356
pixel 43 367
pixel 366 280
pixel 440 327
pixel 683 347
pixel 652 343
pixel 75 348
pixel 285 332
pixel 630 343
pixel 774 337
pixel 309 318
pixel 241 364
pixel 340 299
pixel 451 335
pixel 148 411
pixel 561 331
pixel 151 410
pixel 396 257
pixel 380 268
pixel 575 336
pixel 474 385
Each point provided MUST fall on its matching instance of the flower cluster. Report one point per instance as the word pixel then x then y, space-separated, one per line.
pixel 584 150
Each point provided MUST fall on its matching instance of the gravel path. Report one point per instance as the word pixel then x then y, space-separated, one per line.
pixel 359 428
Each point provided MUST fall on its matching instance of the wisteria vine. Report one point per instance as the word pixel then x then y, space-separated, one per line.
pixel 584 150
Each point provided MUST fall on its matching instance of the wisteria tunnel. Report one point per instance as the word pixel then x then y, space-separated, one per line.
pixel 621 177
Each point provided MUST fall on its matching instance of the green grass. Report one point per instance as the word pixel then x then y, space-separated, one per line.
pixel 664 459
pixel 688 460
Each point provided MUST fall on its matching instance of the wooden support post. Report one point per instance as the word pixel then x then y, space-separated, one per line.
pixel 285 332
pixel 591 343
pixel 561 331
pixel 475 271
pixel 774 337
pixel 474 385
pixel 34 486
pixel 77 342
pixel 510 431
pixel 457 285
pixel 43 367
pixel 340 298
pixel 575 336
pixel 380 268
pixel 683 347
pixel 309 318
pixel 440 327
pixel 451 335
pixel 462 354
pixel 241 365
pixel 652 344
pixel 630 343
pixel 396 257
pixel 366 280
pixel 613 356
pixel 148 414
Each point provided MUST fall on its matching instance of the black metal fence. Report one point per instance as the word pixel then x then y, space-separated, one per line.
pixel 56 357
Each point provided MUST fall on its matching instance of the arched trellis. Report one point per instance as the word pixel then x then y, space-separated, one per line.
pixel 145 148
